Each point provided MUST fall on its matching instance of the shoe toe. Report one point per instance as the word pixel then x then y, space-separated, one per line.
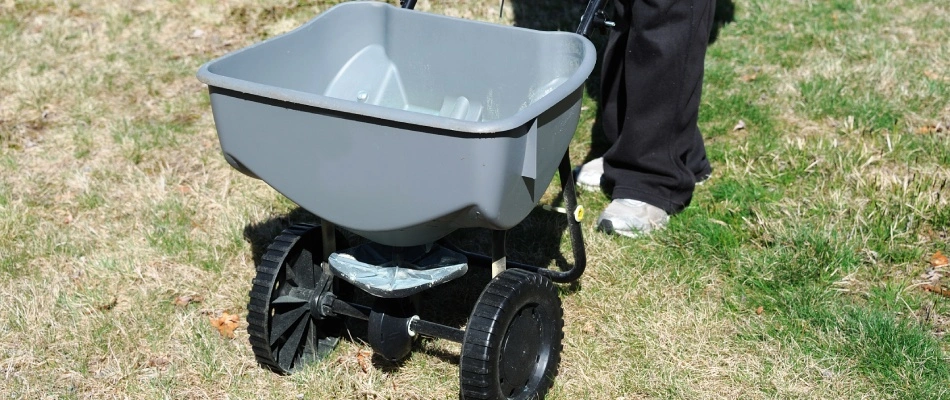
pixel 631 218
pixel 588 176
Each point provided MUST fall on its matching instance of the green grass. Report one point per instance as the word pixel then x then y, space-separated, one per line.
pixel 796 272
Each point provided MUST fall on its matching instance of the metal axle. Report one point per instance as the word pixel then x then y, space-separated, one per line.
pixel 415 325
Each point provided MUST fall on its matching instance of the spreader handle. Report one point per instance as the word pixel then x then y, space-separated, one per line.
pixel 569 191
pixel 499 259
pixel 593 17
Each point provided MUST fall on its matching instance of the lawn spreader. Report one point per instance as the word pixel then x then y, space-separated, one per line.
pixel 401 127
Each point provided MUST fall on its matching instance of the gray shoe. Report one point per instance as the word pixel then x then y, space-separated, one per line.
pixel 587 176
pixel 631 218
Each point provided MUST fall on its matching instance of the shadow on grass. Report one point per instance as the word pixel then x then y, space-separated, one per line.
pixel 535 241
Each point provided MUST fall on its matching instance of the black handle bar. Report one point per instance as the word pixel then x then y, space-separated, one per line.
pixel 593 15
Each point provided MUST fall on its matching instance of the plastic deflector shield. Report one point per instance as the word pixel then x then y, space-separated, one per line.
pixel 395 272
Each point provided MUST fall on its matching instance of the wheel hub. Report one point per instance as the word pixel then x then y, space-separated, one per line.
pixel 285 326
pixel 321 297
pixel 522 356
pixel 513 340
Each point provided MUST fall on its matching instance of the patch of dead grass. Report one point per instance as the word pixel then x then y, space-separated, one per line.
pixel 93 316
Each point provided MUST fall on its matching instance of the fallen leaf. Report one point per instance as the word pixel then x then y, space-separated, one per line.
pixel 108 306
pixel 749 77
pixel 184 189
pixel 939 260
pixel 589 328
pixel 185 300
pixel 932 75
pixel 158 362
pixel 936 289
pixel 225 324
pixel 927 129
pixel 739 126
pixel 760 310
pixel 364 358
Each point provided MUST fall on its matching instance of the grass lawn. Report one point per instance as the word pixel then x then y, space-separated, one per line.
pixel 799 271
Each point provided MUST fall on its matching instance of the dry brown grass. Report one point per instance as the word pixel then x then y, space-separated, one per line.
pixel 114 200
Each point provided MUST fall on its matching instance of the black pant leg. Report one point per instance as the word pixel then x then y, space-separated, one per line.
pixel 652 82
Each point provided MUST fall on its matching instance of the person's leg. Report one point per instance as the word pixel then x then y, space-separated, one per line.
pixel 613 93
pixel 696 160
pixel 652 81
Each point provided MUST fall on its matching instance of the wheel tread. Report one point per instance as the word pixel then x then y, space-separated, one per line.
pixel 262 286
pixel 513 288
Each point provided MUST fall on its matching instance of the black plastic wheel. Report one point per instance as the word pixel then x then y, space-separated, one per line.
pixel 512 344
pixel 285 331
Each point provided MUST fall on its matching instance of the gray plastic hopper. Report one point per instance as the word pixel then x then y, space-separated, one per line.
pixel 402 126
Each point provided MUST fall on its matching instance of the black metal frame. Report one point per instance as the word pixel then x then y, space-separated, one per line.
pixel 330 305
pixel 593 17
pixel 420 327
pixel 499 252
